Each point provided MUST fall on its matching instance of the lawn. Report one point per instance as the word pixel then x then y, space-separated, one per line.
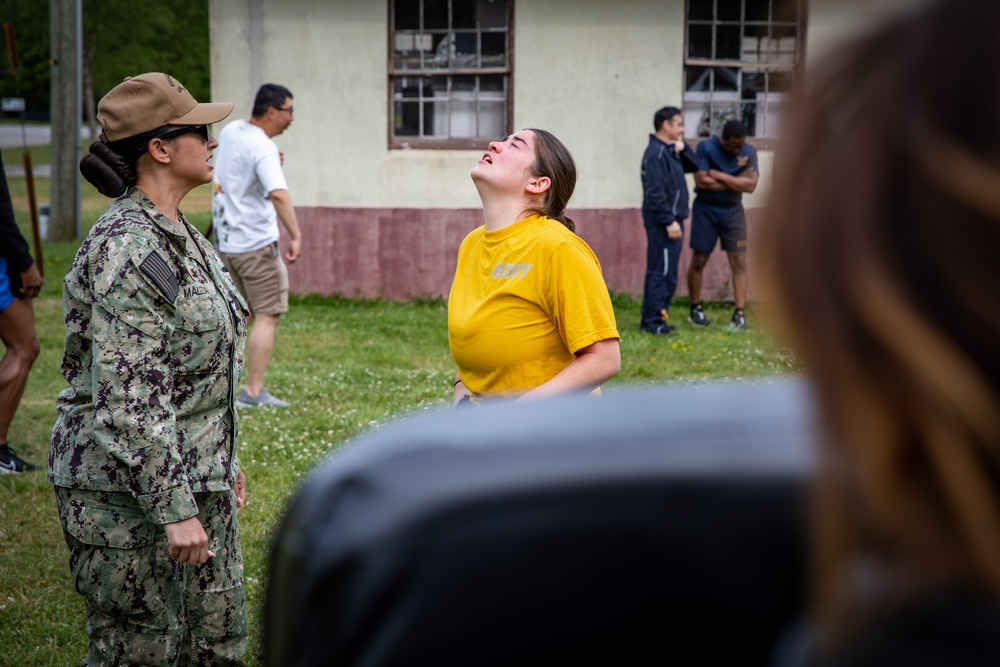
pixel 349 366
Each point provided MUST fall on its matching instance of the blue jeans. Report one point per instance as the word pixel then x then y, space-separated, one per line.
pixel 662 257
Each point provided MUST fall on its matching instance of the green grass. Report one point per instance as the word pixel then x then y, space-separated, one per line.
pixel 349 366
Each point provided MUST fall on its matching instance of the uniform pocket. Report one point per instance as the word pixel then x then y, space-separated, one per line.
pixel 198 345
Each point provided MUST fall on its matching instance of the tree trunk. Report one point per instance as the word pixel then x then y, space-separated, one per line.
pixel 88 94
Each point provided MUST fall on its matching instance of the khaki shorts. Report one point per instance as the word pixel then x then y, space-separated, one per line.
pixel 261 277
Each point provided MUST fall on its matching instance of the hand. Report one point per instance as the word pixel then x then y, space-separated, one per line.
pixel 188 541
pixel 674 231
pixel 679 146
pixel 31 282
pixel 460 392
pixel 293 252
pixel 241 491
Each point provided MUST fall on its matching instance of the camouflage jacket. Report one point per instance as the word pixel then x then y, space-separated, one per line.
pixel 155 333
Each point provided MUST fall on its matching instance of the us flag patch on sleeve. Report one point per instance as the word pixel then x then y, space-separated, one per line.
pixel 159 272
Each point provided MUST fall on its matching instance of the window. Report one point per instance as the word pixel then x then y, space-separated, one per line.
pixel 449 72
pixel 740 61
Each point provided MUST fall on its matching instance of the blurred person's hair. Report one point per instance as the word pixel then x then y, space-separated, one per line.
pixel 734 129
pixel 269 95
pixel 663 115
pixel 879 258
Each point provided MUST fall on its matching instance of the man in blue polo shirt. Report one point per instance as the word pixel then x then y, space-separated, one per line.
pixel 664 209
pixel 727 167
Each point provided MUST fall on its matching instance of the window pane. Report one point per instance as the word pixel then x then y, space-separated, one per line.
pixel 463 115
pixel 700 10
pixel 463 83
pixel 492 14
pixel 407 119
pixel 748 114
pixel 726 78
pixel 729 10
pixel 697 78
pixel 407 14
pixel 436 14
pixel 728 43
pixel 491 119
pixel 699 41
pixel 466 44
pixel 406 59
pixel 443 46
pixel 463 14
pixel 758 10
pixel 753 87
pixel 491 83
pixel 494 49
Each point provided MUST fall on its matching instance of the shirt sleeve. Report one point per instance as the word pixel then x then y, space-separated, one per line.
pixel 701 156
pixel 581 305
pixel 133 380
pixel 269 171
pixel 13 246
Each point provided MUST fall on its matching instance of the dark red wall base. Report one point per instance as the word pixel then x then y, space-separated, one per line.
pixel 401 254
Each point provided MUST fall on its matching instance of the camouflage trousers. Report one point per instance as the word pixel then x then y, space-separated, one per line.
pixel 144 608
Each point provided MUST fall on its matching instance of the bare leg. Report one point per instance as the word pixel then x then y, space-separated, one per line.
pixel 17 330
pixel 259 350
pixel 738 263
pixel 695 272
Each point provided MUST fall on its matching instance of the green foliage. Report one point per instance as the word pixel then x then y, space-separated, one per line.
pixel 121 38
pixel 163 36
pixel 30 19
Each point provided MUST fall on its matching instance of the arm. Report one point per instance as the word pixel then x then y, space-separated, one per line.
pixel 286 213
pixel 658 194
pixel 705 181
pixel 745 182
pixel 461 391
pixel 31 282
pixel 132 380
pixel 595 364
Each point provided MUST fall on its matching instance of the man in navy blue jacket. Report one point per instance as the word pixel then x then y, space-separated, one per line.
pixel 664 209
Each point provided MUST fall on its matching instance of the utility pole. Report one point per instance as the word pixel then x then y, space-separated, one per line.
pixel 66 25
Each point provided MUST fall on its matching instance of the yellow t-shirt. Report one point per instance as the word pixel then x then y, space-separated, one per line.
pixel 524 300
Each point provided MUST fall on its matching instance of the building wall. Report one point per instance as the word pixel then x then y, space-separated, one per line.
pixel 380 222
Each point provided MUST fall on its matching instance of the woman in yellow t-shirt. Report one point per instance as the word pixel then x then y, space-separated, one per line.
pixel 529 314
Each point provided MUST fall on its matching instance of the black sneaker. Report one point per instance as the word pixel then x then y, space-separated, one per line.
pixel 697 316
pixel 659 329
pixel 739 321
pixel 11 463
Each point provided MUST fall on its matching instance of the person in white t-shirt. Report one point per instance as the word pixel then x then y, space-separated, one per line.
pixel 250 195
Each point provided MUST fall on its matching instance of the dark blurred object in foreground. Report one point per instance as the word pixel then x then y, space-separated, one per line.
pixel 645 527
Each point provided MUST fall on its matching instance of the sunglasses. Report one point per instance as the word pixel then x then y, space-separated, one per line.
pixel 176 131
pixel 290 110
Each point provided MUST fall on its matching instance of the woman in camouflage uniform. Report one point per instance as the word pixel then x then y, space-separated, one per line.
pixel 143 452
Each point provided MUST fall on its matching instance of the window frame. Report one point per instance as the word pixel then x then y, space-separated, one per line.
pixel 794 68
pixel 447 143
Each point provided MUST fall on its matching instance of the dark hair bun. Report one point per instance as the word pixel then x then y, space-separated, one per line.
pixel 106 170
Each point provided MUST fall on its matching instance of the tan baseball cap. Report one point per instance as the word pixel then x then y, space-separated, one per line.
pixel 146 102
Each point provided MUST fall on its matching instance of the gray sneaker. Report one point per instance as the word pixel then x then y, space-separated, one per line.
pixel 263 398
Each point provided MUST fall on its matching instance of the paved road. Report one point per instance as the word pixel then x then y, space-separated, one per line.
pixel 32 134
